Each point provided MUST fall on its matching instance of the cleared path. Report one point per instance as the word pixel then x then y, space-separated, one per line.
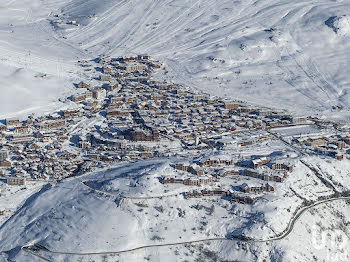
pixel 285 233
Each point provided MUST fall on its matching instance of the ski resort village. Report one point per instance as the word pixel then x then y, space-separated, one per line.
pixel 196 157
pixel 174 130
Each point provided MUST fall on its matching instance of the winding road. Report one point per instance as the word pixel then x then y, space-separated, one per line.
pixel 29 249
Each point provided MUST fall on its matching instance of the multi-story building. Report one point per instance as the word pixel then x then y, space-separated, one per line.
pixel 16 180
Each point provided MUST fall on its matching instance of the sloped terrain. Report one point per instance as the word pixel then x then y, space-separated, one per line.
pixel 273 53
pixel 278 54
pixel 126 207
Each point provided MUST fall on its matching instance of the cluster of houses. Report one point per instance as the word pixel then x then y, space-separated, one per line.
pixel 140 118
pixel 133 100
pixel 260 168
pixel 183 114
pixel 32 149
pixel 241 197
pixel 210 170
pixel 335 146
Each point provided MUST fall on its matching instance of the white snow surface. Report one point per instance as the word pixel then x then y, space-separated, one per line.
pixel 280 54
pixel 274 53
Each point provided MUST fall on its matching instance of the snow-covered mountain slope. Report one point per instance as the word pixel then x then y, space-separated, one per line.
pixel 274 53
pixel 280 54
pixel 126 207
pixel 292 55
pixel 36 67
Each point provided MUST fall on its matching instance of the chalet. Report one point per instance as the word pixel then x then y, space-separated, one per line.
pixel 115 99
pixel 52 124
pixel 191 182
pixel 88 95
pixel 34 146
pixel 71 168
pixel 242 199
pixel 188 181
pixel 94 156
pixel 72 22
pixel 230 106
pixel 195 170
pixel 341 144
pixel 105 78
pixel 13 122
pixel 205 193
pixel 5 164
pixel 16 181
pixel 339 156
pixel 84 144
pixel 246 143
pixel 128 59
pixel 259 162
pixel 99 93
pixel 22 139
pixel 282 166
pixel 4 212
pixel 79 98
pixel 299 120
pixel 114 87
pixel 278 178
pixel 117 113
pixel 182 167
pixel 71 113
pixel 21 130
pixel 143 135
pixel 107 70
pixel 172 180
pixel 218 161
pixel 83 85
pixel 145 155
pixel 205 180
pixel 198 181
pixel 317 142
pixel 134 67
pixel 251 173
pixel 143 57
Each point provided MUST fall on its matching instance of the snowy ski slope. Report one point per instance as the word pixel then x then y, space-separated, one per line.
pixel 275 53
pixel 282 54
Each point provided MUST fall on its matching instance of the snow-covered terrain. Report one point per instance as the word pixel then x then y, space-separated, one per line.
pixel 277 54
pixel 126 207
pixel 274 53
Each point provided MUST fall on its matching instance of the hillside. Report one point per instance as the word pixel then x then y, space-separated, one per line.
pixel 244 152
pixel 256 51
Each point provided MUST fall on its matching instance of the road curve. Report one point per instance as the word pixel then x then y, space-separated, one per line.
pixel 286 232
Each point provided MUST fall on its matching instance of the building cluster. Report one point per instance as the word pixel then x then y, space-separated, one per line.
pixel 134 100
pixel 122 114
pixel 260 168
pixel 33 149
pixel 243 197
pixel 335 146
pixel 210 171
